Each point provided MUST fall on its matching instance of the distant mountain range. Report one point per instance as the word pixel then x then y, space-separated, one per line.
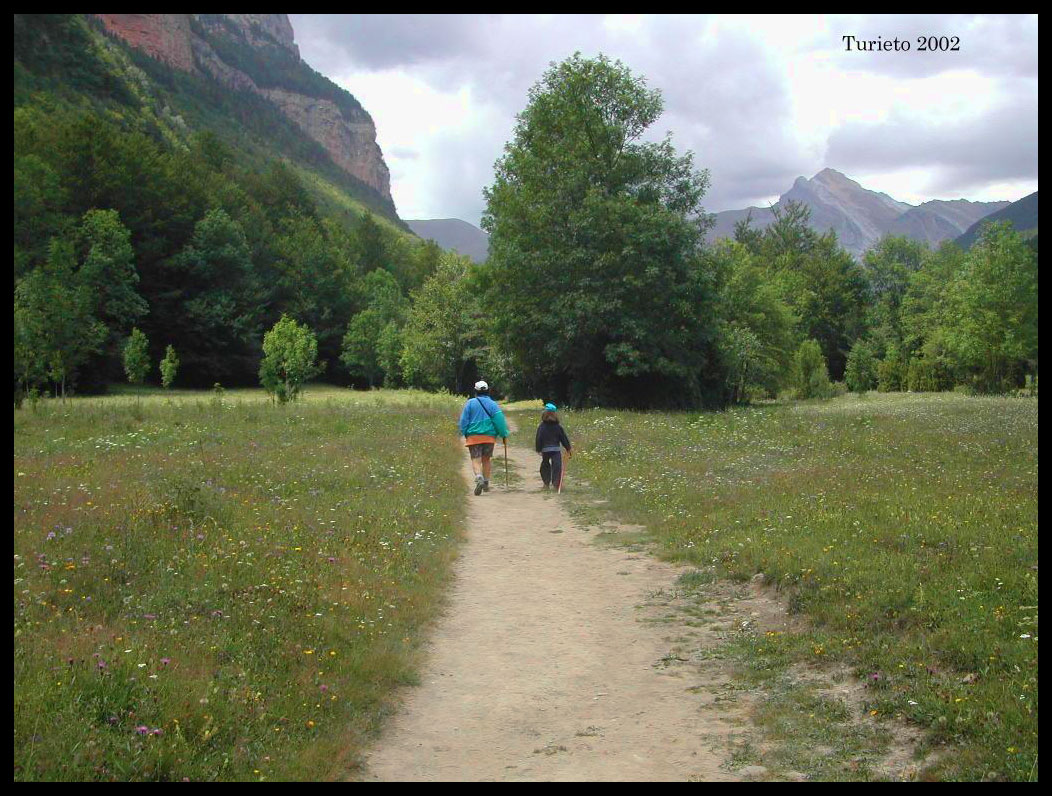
pixel 861 217
pixel 452 233
pixel 1022 214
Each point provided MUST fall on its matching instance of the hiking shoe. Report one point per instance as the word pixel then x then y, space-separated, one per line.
pixel 485 486
pixel 479 483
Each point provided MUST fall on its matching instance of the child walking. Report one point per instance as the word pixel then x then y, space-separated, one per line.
pixel 549 436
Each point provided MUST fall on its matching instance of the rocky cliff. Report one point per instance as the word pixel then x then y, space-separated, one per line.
pixel 258 53
pixel 165 37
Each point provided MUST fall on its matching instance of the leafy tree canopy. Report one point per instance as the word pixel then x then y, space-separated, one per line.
pixel 598 295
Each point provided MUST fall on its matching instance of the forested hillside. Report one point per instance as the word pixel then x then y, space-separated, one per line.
pixel 146 196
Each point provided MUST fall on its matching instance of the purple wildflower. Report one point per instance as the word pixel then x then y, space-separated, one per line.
pixel 142 729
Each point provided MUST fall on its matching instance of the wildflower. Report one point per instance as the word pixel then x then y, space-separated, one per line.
pixel 142 729
pixel 165 661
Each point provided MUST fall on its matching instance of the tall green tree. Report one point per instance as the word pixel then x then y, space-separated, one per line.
pixel 214 302
pixel 442 335
pixel 108 269
pixel 599 294
pixel 55 323
pixel 318 279
pixel 817 279
pixel 889 265
pixel 995 331
pixel 758 336
pixel 928 314
pixel 362 353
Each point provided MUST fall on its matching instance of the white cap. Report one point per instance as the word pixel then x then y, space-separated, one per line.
pixel 481 386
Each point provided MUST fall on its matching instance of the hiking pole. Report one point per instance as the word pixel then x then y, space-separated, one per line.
pixel 562 475
pixel 505 463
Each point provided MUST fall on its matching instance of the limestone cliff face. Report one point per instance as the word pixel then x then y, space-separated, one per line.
pixel 276 26
pixel 165 37
pixel 347 133
pixel 350 142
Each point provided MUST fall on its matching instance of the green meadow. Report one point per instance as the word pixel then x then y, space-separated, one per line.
pixel 904 526
pixel 217 587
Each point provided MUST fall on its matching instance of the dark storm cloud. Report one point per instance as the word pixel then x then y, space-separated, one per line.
pixel 998 146
pixel 994 45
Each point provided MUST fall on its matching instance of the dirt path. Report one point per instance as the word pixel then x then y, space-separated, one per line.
pixel 552 661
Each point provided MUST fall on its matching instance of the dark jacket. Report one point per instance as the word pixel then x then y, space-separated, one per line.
pixel 549 435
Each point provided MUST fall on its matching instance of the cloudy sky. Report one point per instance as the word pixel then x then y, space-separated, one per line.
pixel 760 100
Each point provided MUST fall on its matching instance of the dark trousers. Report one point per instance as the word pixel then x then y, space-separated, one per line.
pixel 551 467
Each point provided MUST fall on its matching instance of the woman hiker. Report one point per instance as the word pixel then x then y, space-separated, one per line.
pixel 549 436
pixel 481 423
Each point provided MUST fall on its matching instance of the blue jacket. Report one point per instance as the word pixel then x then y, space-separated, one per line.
pixel 474 420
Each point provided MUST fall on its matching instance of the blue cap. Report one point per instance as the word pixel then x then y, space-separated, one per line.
pixel 550 407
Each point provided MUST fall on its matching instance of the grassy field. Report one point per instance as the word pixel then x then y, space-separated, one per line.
pixel 215 587
pixel 904 526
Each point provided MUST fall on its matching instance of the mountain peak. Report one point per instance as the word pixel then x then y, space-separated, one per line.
pixel 833 177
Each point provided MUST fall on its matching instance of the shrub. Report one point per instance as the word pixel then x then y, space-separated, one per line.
pixel 860 374
pixel 924 376
pixel 890 375
pixel 169 367
pixel 810 373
